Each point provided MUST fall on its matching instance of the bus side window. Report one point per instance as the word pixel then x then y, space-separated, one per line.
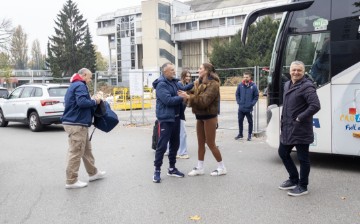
pixel 320 70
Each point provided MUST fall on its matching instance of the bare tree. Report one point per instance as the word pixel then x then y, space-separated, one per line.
pixel 37 59
pixel 6 32
pixel 19 48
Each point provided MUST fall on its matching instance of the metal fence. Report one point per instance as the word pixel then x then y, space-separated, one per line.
pixel 139 108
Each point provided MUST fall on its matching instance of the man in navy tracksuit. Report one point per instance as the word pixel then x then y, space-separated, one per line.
pixel 247 95
pixel 168 112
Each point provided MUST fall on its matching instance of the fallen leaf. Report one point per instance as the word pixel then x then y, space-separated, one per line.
pixel 195 218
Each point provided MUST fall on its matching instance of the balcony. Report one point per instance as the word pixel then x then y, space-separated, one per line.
pixel 105 31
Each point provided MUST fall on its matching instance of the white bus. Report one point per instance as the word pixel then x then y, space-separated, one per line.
pixel 325 35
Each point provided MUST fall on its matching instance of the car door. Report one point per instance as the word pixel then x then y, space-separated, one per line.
pixel 24 102
pixel 9 104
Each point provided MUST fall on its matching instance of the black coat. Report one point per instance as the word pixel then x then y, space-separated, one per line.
pixel 300 101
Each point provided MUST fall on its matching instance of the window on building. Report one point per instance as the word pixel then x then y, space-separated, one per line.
pixel 222 22
pixel 231 21
pixel 164 13
pixel 99 24
pixel 205 24
pixel 163 35
pixel 165 54
pixel 239 20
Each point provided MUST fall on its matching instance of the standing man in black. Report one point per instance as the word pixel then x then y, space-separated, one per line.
pixel 168 112
pixel 299 105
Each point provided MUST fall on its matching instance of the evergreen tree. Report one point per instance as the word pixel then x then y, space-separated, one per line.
pixel 257 51
pixel 88 53
pixel 64 50
pixel 260 43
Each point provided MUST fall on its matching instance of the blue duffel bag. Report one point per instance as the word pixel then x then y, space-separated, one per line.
pixel 104 118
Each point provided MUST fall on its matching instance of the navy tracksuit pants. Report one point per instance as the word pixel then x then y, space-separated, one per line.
pixel 168 132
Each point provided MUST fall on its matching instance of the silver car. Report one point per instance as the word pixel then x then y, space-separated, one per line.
pixel 34 104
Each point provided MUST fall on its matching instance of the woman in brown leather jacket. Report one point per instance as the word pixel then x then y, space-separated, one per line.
pixel 204 99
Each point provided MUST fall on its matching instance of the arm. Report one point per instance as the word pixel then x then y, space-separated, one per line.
pixel 255 96
pixel 164 95
pixel 312 101
pixel 237 94
pixel 186 87
pixel 82 97
pixel 204 98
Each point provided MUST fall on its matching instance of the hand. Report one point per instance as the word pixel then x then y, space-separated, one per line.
pixel 97 99
pixel 183 94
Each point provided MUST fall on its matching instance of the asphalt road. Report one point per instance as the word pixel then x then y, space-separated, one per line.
pixel 32 180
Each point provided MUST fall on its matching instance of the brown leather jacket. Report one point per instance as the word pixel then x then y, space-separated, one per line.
pixel 205 97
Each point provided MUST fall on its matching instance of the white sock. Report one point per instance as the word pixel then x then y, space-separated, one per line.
pixel 221 165
pixel 200 164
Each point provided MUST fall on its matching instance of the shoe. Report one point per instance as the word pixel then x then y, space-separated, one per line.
pixel 298 191
pixel 218 172
pixel 239 137
pixel 249 138
pixel 177 156
pixel 196 171
pixel 175 173
pixel 184 157
pixel 287 185
pixel 166 153
pixel 156 177
pixel 97 176
pixel 77 184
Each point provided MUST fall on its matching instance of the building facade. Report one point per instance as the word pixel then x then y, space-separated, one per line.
pixel 159 31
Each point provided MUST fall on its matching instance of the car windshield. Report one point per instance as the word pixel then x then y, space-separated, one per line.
pixel 57 91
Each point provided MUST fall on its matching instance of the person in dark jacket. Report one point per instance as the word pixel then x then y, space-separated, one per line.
pixel 300 103
pixel 168 112
pixel 247 95
pixel 76 120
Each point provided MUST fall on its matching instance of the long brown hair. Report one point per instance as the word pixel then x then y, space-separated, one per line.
pixel 183 76
pixel 211 73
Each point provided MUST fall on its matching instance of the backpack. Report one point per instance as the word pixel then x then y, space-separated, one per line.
pixel 104 118
pixel 155 136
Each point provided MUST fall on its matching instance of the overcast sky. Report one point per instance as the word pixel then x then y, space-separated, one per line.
pixel 37 16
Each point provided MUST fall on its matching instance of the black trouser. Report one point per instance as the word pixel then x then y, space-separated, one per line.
pixel 169 132
pixel 302 151
pixel 249 118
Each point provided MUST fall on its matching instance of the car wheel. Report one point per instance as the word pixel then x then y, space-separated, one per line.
pixel 3 122
pixel 34 122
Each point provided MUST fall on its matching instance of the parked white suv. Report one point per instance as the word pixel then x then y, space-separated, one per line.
pixel 34 104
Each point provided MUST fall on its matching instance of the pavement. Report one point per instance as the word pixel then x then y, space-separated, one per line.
pixel 32 180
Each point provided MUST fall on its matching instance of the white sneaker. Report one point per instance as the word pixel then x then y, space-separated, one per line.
pixel 77 184
pixel 218 172
pixel 97 176
pixel 166 153
pixel 196 171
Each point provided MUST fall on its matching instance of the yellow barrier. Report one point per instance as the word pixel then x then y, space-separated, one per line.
pixel 122 100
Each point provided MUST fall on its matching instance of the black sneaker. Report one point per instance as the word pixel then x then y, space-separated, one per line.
pixel 156 177
pixel 239 137
pixel 298 191
pixel 175 173
pixel 287 185
pixel 249 138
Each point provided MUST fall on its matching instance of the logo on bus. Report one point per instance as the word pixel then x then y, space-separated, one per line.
pixel 320 24
pixel 352 116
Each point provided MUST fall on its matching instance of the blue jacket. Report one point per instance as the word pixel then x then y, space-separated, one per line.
pixel 79 107
pixel 246 96
pixel 168 103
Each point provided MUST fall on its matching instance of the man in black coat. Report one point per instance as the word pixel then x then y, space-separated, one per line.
pixel 299 105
